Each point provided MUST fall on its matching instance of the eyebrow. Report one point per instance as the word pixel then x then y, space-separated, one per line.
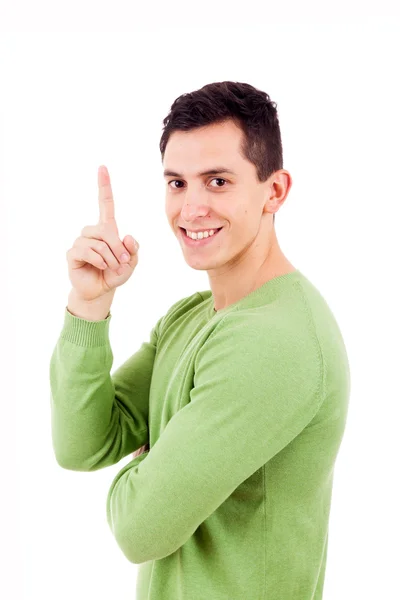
pixel 214 171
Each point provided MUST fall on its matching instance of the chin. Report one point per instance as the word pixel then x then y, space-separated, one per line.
pixel 201 265
pixel 198 266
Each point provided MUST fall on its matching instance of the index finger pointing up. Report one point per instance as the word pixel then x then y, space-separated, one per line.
pixel 106 199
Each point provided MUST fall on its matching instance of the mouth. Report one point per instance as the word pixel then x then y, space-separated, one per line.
pixel 199 242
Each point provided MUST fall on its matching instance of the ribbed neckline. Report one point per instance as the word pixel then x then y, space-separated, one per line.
pixel 280 281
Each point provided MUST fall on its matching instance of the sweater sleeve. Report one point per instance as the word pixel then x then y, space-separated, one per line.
pixel 254 391
pixel 97 418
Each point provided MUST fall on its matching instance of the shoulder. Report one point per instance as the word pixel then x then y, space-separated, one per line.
pixel 261 359
pixel 277 325
pixel 181 307
pixel 268 341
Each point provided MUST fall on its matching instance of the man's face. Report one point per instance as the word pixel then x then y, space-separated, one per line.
pixel 233 201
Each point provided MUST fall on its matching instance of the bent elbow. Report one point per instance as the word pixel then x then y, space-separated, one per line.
pixel 141 544
pixel 73 463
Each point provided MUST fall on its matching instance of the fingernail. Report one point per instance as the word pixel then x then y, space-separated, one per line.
pixel 136 245
pixel 124 257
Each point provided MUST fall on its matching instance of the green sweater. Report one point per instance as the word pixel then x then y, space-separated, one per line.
pixel 244 410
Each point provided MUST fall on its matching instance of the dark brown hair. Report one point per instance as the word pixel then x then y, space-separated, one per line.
pixel 251 109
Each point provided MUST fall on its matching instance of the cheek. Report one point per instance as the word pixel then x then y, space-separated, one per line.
pixel 173 216
pixel 169 211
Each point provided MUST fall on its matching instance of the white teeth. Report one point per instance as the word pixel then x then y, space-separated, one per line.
pixel 200 235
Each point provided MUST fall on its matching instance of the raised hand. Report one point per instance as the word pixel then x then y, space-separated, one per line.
pixel 96 262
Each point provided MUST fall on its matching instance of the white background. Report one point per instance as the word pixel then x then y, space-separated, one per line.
pixel 86 86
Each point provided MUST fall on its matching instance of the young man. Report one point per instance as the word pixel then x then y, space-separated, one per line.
pixel 238 400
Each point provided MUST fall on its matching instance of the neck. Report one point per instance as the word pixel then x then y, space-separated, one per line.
pixel 254 267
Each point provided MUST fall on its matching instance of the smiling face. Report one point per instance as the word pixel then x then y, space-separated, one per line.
pixel 196 200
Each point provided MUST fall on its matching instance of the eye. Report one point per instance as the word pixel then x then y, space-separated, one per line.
pixel 173 180
pixel 219 179
pixel 179 181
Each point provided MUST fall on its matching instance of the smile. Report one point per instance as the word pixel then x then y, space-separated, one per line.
pixel 198 243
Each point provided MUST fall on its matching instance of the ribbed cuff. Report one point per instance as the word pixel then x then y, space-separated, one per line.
pixel 85 333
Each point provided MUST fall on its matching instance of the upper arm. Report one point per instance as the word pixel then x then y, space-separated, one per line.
pixel 97 418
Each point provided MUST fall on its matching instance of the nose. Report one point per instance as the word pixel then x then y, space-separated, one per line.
pixel 191 211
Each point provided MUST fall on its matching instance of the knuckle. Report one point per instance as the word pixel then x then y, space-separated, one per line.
pixel 101 245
